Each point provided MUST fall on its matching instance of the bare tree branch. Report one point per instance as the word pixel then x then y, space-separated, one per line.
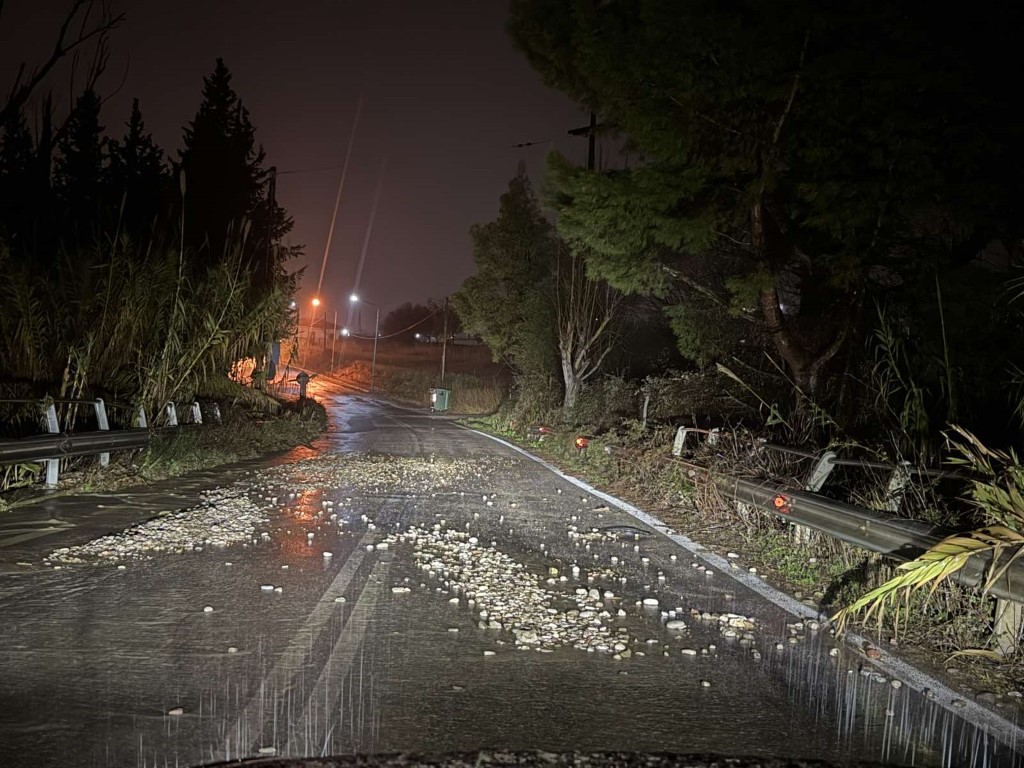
pixel 80 10
pixel 585 312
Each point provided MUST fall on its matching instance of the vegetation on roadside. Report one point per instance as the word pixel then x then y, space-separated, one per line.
pixel 127 276
pixel 531 300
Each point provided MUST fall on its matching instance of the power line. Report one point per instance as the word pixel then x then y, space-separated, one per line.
pixel 404 330
pixel 320 169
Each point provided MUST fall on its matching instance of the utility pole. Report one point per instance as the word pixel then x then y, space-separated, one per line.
pixel 325 329
pixel 269 268
pixel 334 337
pixel 271 207
pixel 444 339
pixel 590 131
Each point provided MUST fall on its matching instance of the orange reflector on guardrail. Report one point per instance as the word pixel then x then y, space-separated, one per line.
pixel 781 504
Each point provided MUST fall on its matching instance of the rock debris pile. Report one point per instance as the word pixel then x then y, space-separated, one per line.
pixel 505 595
pixel 233 514
pixel 369 473
pixel 223 517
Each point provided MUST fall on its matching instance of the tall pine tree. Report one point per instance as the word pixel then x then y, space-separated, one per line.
pixel 508 301
pixel 137 177
pixel 78 173
pixel 226 185
pixel 17 162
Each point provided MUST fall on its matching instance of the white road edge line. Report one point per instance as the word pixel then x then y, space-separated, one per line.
pixel 1010 733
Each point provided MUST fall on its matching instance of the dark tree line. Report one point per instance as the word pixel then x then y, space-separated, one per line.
pixel 130 274
pixel 831 191
pixel 93 188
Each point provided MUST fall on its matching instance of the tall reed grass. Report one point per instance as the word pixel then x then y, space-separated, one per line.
pixel 138 325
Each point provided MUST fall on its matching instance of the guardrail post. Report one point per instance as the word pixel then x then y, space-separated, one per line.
pixel 897 488
pixel 102 424
pixel 197 413
pixel 52 465
pixel 819 474
pixel 1009 619
pixel 679 444
pixel 821 471
pixel 140 418
pixel 216 412
pixel 172 415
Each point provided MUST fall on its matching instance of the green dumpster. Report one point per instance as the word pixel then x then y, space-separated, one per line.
pixel 439 399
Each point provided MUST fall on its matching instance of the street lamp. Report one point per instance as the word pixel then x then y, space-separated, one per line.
pixel 354 298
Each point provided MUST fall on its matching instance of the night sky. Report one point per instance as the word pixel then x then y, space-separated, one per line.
pixel 445 95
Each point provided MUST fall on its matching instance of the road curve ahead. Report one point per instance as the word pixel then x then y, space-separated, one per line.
pixel 408 585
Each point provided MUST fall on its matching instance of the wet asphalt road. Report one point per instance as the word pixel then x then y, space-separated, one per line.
pixel 93 659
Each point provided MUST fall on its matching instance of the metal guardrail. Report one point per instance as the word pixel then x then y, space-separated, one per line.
pixel 40 447
pixel 54 446
pixel 876 531
pixel 893 537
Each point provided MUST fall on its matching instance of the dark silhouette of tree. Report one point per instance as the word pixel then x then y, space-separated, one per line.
pixel 222 168
pixel 794 158
pixel 17 164
pixel 80 28
pixel 225 200
pixel 507 302
pixel 79 171
pixel 137 177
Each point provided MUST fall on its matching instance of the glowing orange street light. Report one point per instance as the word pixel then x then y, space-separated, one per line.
pixel 316 302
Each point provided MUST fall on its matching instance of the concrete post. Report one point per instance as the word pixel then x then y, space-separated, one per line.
pixel 52 465
pixel 679 444
pixel 102 424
